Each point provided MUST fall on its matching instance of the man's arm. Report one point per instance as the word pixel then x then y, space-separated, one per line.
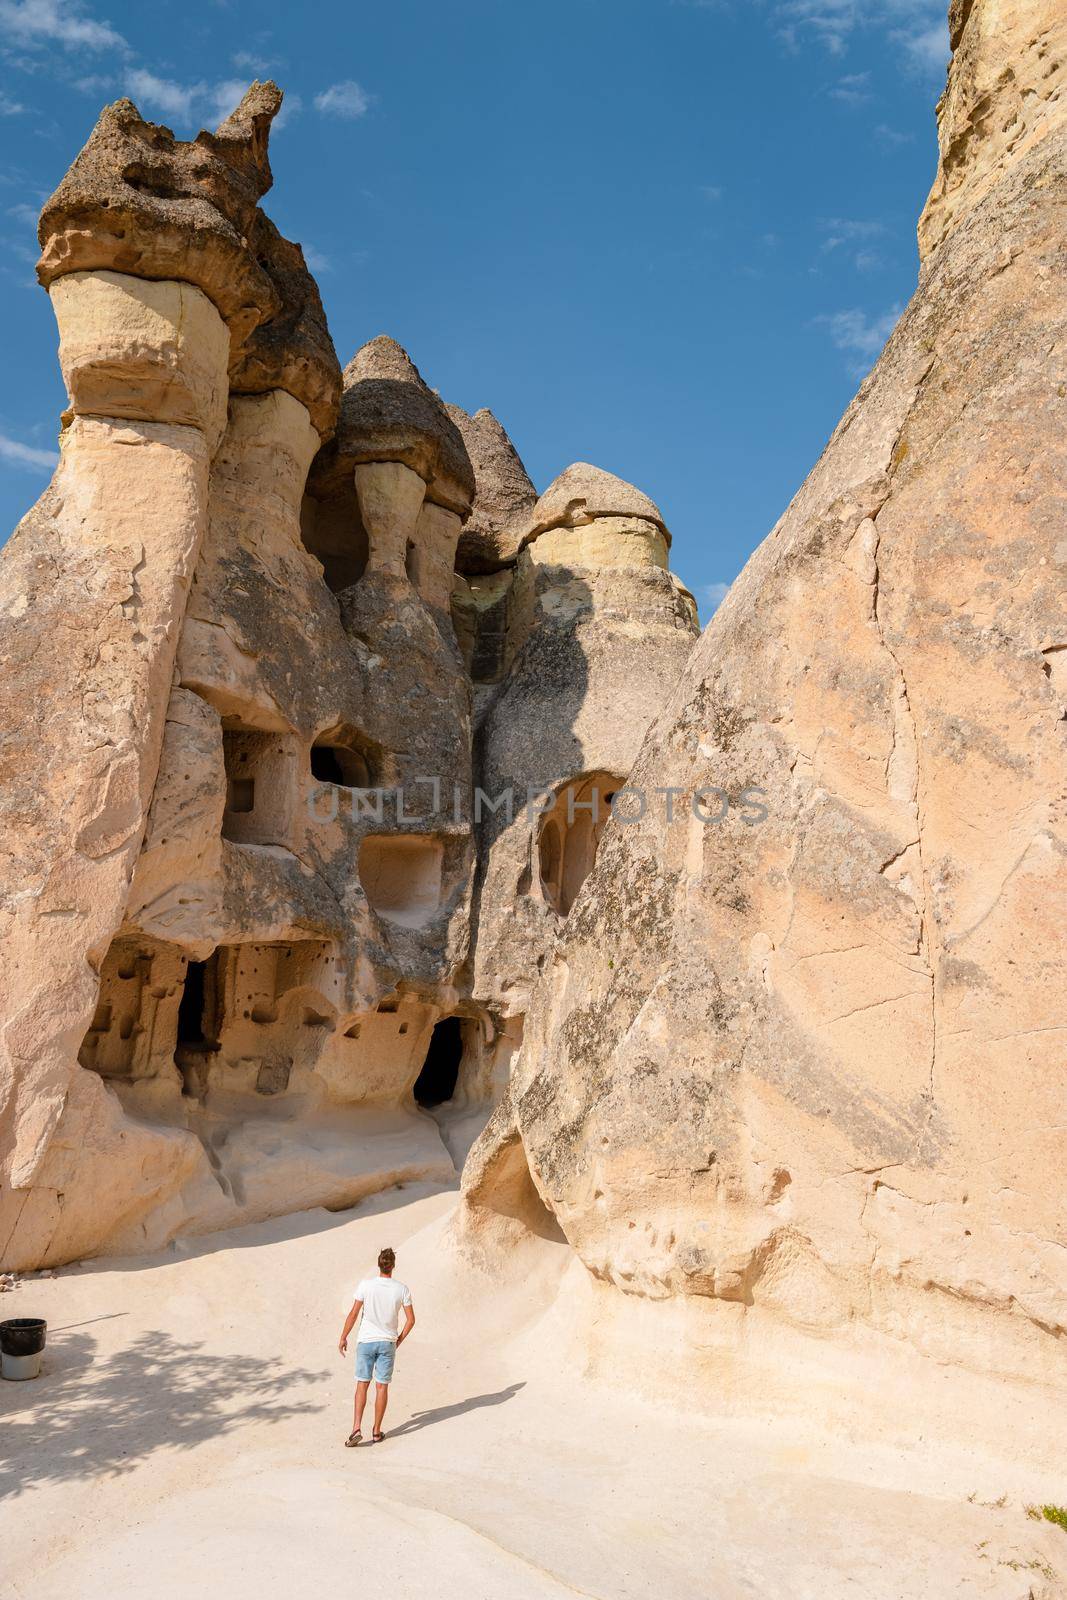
pixel 409 1323
pixel 350 1322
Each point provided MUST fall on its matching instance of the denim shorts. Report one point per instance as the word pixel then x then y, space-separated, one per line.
pixel 374 1359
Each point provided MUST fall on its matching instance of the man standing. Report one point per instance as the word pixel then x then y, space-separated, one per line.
pixel 381 1301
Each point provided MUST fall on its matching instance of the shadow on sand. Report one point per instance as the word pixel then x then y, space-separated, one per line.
pixel 426 1419
pixel 256 1235
pixel 105 1417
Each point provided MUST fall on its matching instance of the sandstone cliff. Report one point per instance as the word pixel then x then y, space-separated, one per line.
pixel 805 1069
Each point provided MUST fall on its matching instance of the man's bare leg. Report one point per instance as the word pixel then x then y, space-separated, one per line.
pixel 361 1401
pixel 381 1400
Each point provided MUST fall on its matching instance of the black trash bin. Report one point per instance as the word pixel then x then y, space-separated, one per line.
pixel 21 1345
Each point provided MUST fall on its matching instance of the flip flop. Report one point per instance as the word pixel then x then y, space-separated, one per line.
pixel 376 1438
pixel 353 1439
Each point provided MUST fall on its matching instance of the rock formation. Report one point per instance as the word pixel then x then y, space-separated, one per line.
pixel 799 1063
pixel 347 781
pixel 245 645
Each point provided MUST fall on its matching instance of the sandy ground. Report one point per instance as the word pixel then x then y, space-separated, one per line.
pixel 186 1439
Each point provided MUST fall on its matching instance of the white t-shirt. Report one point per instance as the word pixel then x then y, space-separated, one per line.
pixel 383 1299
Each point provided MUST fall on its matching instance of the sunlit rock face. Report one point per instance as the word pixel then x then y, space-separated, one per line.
pixel 248 630
pixel 801 1062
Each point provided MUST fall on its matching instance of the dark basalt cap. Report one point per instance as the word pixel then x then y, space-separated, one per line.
pixel 503 494
pixel 139 201
pixel 388 413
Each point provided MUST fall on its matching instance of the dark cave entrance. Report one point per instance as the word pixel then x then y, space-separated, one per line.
pixel 198 1023
pixel 436 1083
pixel 191 1005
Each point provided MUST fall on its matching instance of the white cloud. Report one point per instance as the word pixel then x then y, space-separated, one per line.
pixel 849 230
pixel 925 47
pixel 859 334
pixel 9 107
pixel 917 27
pixel 853 89
pixel 221 99
pixel 24 213
pixel 94 83
pixel 316 260
pixel 867 260
pixel 712 595
pixel 245 61
pixel 346 99
pixel 26 455
pixel 711 191
pixel 64 22
pixel 891 138
pixel 831 22
pixel 205 104
pixel 162 95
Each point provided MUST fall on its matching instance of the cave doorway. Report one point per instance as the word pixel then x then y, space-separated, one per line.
pixel 436 1083
pixel 198 1023
pixel 191 1005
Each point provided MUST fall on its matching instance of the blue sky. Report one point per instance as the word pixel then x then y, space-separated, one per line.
pixel 664 236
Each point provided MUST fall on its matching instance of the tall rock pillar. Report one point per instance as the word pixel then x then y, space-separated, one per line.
pixel 93 596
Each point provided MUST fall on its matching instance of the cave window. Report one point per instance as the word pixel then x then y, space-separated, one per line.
pixel 332 530
pixel 436 1083
pixel 401 875
pixel 570 837
pixel 342 763
pixel 258 782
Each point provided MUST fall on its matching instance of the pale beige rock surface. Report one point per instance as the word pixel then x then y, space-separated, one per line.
pixel 597 636
pixel 1005 93
pixel 797 1079
pixel 94 583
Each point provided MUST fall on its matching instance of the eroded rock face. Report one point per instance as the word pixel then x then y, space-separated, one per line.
pixel 803 1054
pixel 140 202
pixel 389 414
pixel 598 634
pixel 237 964
pixel 1004 94
pixel 504 495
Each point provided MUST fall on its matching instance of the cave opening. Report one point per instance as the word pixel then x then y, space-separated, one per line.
pixel 331 529
pixel 191 1005
pixel 258 784
pixel 436 1083
pixel 199 1006
pixel 334 761
pixel 570 837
